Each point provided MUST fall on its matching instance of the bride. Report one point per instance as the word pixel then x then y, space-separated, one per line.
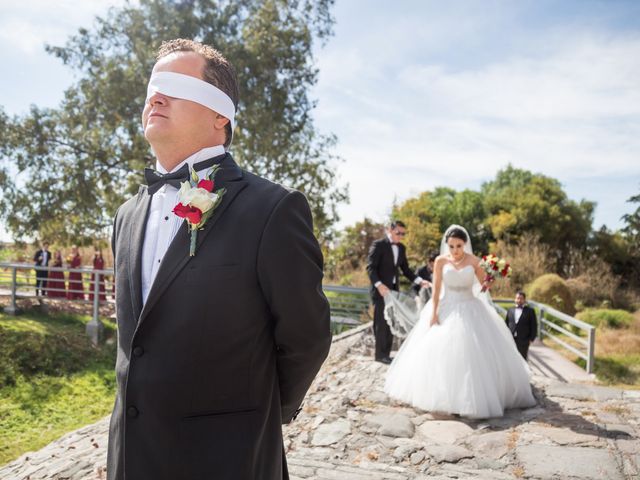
pixel 459 358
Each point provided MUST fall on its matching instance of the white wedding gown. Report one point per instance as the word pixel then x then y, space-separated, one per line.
pixel 467 364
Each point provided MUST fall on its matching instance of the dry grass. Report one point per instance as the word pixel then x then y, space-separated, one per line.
pixel 518 471
pixel 591 280
pixel 529 259
pixel 617 354
pixel 512 440
pixel 610 341
pixel 619 410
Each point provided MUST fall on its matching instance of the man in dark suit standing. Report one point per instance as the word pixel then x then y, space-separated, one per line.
pixel 426 273
pixel 216 349
pixel 386 257
pixel 41 259
pixel 522 323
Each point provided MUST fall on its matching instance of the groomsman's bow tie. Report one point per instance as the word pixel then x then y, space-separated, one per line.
pixel 155 180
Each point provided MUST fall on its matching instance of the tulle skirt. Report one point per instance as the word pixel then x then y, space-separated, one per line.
pixel 467 364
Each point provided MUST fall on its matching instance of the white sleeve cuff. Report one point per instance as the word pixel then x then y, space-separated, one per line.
pixel 418 280
pixel 377 284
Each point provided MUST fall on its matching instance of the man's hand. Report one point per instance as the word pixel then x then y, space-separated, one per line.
pixel 425 284
pixel 382 289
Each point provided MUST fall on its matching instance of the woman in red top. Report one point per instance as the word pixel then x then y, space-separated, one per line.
pixel 76 289
pixel 98 264
pixel 55 285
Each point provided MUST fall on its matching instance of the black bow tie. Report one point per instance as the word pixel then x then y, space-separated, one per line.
pixel 155 180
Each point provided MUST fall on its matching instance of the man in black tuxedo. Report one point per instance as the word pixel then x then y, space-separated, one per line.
pixel 216 350
pixel 522 323
pixel 41 259
pixel 386 257
pixel 426 273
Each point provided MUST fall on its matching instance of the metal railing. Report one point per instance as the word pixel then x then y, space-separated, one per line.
pixel 548 318
pixel 20 280
pixel 348 302
pixel 349 305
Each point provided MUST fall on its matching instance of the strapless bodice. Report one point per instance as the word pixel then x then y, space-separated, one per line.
pixel 458 282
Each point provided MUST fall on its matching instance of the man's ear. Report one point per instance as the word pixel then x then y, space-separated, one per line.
pixel 220 122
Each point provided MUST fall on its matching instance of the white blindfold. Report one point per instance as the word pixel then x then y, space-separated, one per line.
pixel 186 87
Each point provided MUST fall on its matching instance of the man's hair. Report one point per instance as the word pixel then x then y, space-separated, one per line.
pixel 433 256
pixel 397 223
pixel 520 292
pixel 218 71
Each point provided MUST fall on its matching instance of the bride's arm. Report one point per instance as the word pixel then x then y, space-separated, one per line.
pixel 480 274
pixel 437 287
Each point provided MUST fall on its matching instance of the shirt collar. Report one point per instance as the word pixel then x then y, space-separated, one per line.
pixel 204 154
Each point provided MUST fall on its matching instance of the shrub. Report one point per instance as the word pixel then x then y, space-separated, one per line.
pixel 529 258
pixel 552 290
pixel 591 281
pixel 606 318
pixel 55 346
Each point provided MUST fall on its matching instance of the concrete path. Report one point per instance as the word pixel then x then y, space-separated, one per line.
pixel 546 362
pixel 350 430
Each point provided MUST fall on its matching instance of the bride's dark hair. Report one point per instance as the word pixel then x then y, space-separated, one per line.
pixel 457 233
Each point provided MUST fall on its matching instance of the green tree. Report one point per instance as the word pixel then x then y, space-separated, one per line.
pixel 632 224
pixel 519 201
pixel 429 214
pixel 631 232
pixel 82 159
pixel 352 248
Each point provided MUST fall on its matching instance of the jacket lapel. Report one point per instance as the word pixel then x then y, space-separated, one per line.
pixel 177 256
pixel 136 242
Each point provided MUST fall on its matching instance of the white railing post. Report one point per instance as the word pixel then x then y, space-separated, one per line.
pixel 592 350
pixel 95 328
pixel 12 308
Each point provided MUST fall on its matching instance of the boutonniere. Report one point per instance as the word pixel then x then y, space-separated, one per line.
pixel 197 201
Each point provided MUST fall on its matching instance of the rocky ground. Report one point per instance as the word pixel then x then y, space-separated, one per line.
pixel 350 430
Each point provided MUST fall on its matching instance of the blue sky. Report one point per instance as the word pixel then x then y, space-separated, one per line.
pixel 429 93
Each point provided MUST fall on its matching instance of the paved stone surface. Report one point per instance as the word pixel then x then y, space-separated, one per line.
pixel 350 430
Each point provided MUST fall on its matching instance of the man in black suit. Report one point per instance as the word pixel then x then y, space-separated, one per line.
pixel 215 350
pixel 386 257
pixel 522 323
pixel 425 272
pixel 41 259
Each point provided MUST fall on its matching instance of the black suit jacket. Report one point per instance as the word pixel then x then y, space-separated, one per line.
pixel 39 261
pixel 424 273
pixel 381 267
pixel 228 342
pixel 527 326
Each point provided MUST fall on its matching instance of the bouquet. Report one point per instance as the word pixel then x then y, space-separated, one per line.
pixel 494 266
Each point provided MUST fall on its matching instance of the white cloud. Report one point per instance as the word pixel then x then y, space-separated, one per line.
pixel 570 110
pixel 27 25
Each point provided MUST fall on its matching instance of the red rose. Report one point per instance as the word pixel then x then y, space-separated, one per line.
pixel 206 184
pixel 192 214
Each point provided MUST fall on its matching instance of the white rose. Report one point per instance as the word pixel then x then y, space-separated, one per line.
pixel 197 197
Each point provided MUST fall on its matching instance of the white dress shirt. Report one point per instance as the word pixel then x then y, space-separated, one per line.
pixel 518 314
pixel 396 252
pixel 162 223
